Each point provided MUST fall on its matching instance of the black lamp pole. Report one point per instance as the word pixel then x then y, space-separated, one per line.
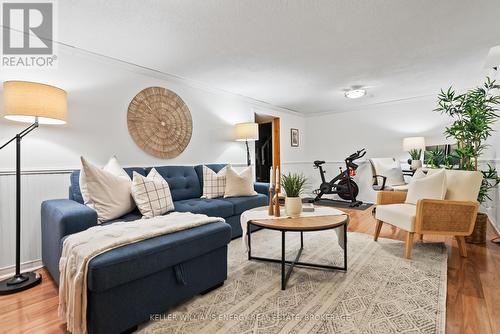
pixel 248 153
pixel 19 281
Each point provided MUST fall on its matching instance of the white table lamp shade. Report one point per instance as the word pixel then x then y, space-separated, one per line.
pixel 411 143
pixel 247 131
pixel 25 101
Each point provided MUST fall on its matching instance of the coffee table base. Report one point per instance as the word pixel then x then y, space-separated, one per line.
pixel 285 275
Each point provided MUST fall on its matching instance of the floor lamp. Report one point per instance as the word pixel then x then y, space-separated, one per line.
pixel 37 104
pixel 247 132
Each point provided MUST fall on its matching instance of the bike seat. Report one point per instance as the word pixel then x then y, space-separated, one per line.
pixel 318 162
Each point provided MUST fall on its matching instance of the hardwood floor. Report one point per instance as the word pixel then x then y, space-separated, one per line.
pixel 473 300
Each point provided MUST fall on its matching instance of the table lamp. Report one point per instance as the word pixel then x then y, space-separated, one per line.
pixel 34 103
pixel 247 132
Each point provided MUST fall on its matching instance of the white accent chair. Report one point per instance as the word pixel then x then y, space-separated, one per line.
pixel 388 175
pixel 455 215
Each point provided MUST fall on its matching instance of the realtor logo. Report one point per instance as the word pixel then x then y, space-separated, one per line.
pixel 28 34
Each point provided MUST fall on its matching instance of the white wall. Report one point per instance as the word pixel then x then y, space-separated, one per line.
pixel 99 91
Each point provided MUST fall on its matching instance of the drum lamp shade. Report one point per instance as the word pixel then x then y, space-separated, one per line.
pixel 25 101
pixel 247 131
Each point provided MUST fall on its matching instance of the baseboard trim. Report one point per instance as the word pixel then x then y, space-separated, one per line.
pixel 6 272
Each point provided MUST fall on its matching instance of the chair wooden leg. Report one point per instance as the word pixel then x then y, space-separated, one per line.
pixel 409 244
pixel 421 236
pixel 462 248
pixel 377 229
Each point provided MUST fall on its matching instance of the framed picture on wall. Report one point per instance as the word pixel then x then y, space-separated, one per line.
pixel 294 137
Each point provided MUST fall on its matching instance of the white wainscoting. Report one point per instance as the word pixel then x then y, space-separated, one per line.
pixel 37 186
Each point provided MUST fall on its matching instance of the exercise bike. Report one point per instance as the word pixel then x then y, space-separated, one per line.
pixel 343 185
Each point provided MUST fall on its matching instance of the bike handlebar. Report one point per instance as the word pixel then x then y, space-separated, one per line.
pixel 359 154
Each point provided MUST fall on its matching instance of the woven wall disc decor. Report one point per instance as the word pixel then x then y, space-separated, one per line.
pixel 159 122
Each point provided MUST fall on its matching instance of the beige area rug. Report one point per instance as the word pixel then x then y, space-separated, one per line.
pixel 381 292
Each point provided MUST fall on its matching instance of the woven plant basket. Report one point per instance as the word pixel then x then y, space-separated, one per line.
pixel 478 235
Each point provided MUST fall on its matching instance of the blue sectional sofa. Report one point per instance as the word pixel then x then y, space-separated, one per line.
pixel 128 284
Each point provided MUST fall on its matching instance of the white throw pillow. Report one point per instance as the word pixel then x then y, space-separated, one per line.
pixel 429 187
pixel 151 194
pixel 111 166
pixel 108 194
pixel 214 184
pixel 239 184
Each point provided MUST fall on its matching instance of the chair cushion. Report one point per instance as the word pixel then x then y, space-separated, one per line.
pixel 242 204
pixel 461 185
pixel 432 186
pixel 403 187
pixel 137 260
pixel 209 207
pixel 399 215
pixel 182 180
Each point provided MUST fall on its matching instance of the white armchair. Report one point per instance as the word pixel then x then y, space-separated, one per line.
pixel 388 174
pixel 455 215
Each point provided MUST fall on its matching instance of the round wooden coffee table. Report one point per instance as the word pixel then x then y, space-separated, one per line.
pixel 300 224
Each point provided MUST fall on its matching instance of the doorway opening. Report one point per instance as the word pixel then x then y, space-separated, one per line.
pixel 264 152
pixel 267 148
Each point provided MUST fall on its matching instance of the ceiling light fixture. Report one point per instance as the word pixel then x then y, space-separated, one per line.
pixel 355 93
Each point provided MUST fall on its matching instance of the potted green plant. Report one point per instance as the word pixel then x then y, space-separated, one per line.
pixel 474 113
pixel 293 185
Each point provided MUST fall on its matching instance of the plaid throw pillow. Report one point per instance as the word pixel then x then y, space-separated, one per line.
pixel 151 194
pixel 214 183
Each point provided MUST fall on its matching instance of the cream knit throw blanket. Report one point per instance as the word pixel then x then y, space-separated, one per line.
pixel 80 248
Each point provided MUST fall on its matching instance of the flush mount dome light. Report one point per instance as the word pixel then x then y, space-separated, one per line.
pixel 355 93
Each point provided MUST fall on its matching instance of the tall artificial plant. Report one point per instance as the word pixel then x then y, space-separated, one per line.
pixel 474 113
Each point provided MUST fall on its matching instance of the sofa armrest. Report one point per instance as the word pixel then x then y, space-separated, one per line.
pixel 65 216
pixel 261 187
pixel 391 197
pixel 445 217
pixel 59 218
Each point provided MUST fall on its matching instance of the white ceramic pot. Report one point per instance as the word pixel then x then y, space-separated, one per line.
pixel 416 164
pixel 293 206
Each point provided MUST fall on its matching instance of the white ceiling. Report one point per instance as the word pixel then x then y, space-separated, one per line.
pixel 298 54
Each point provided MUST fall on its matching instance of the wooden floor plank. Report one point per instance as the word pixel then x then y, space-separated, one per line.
pixel 472 305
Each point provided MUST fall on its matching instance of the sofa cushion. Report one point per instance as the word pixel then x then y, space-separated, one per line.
pixel 152 194
pixel 74 189
pixel 199 170
pixel 248 202
pixel 182 180
pixel 134 215
pixel 239 184
pixel 137 260
pixel 107 192
pixel 210 207
pixel 399 215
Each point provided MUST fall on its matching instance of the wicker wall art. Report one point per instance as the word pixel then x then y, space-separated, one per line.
pixel 159 122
